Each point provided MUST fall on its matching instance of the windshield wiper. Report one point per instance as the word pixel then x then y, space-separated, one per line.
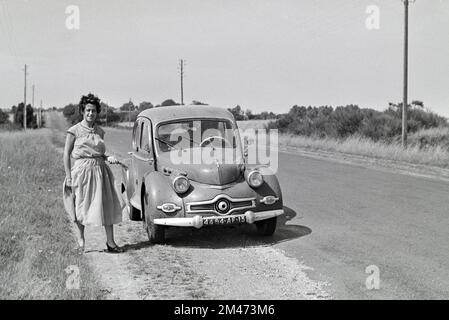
pixel 168 144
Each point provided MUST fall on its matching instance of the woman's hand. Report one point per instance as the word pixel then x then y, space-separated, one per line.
pixel 68 184
pixel 112 160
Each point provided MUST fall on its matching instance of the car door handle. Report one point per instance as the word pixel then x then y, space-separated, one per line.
pixel 149 160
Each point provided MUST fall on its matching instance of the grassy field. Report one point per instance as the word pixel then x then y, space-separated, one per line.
pixel 432 155
pixel 37 244
pixel 255 124
pixel 430 138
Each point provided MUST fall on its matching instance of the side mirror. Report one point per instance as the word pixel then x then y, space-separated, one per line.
pixel 245 148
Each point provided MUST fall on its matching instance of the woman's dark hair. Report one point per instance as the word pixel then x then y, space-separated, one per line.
pixel 92 99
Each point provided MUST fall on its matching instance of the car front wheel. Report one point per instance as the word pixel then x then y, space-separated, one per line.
pixel 156 233
pixel 266 227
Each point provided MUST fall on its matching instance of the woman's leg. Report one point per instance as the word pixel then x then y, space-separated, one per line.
pixel 80 234
pixel 110 243
pixel 110 235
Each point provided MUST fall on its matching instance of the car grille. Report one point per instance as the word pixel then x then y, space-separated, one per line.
pixel 221 205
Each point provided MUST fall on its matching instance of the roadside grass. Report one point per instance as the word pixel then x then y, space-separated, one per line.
pixel 430 138
pixel 252 124
pixel 432 155
pixel 37 244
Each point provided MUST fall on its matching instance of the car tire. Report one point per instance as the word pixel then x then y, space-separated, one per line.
pixel 266 227
pixel 156 233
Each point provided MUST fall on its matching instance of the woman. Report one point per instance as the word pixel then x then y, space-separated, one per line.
pixel 89 193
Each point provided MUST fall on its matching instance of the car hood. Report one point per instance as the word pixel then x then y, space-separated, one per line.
pixel 215 174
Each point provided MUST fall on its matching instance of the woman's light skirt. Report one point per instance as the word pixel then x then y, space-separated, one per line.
pixel 93 199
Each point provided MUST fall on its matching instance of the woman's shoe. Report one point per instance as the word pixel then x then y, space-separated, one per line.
pixel 115 249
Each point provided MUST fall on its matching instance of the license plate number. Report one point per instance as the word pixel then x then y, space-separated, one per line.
pixel 208 221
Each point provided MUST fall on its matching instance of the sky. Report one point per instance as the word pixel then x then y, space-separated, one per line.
pixel 264 55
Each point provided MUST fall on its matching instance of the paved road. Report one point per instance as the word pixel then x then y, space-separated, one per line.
pixel 360 217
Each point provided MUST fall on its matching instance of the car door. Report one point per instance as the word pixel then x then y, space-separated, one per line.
pixel 142 157
pixel 132 184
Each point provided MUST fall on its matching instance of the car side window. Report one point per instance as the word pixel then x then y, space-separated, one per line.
pixel 145 142
pixel 136 135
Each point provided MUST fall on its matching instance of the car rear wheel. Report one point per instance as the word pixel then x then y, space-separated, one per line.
pixel 266 227
pixel 156 233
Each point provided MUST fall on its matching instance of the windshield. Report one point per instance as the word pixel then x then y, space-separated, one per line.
pixel 197 133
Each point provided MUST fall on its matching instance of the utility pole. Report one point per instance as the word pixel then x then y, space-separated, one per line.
pixel 182 81
pixel 404 102
pixel 40 115
pixel 32 98
pixel 25 100
pixel 129 112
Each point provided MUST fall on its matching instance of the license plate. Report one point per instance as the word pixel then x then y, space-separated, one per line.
pixel 209 221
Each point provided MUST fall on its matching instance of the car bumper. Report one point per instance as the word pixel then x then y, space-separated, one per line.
pixel 199 221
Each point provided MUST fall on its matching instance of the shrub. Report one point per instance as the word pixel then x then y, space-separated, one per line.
pixel 4 117
pixel 18 116
pixel 350 120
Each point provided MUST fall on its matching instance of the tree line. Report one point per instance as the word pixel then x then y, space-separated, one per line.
pixel 321 122
pixel 349 120
pixel 240 114
pixel 129 111
pixel 109 115
pixel 18 115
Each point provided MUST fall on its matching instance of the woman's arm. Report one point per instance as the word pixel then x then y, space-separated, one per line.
pixel 110 159
pixel 69 142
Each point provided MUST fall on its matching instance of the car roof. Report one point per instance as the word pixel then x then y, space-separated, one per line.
pixel 161 114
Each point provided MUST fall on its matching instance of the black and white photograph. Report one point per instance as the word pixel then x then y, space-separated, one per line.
pixel 224 150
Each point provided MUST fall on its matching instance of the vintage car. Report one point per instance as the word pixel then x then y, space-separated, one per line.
pixel 163 191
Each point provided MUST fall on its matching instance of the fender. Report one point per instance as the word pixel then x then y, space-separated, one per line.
pixel 269 187
pixel 158 190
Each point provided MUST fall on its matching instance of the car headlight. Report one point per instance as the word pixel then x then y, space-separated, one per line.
pixel 255 179
pixel 181 184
